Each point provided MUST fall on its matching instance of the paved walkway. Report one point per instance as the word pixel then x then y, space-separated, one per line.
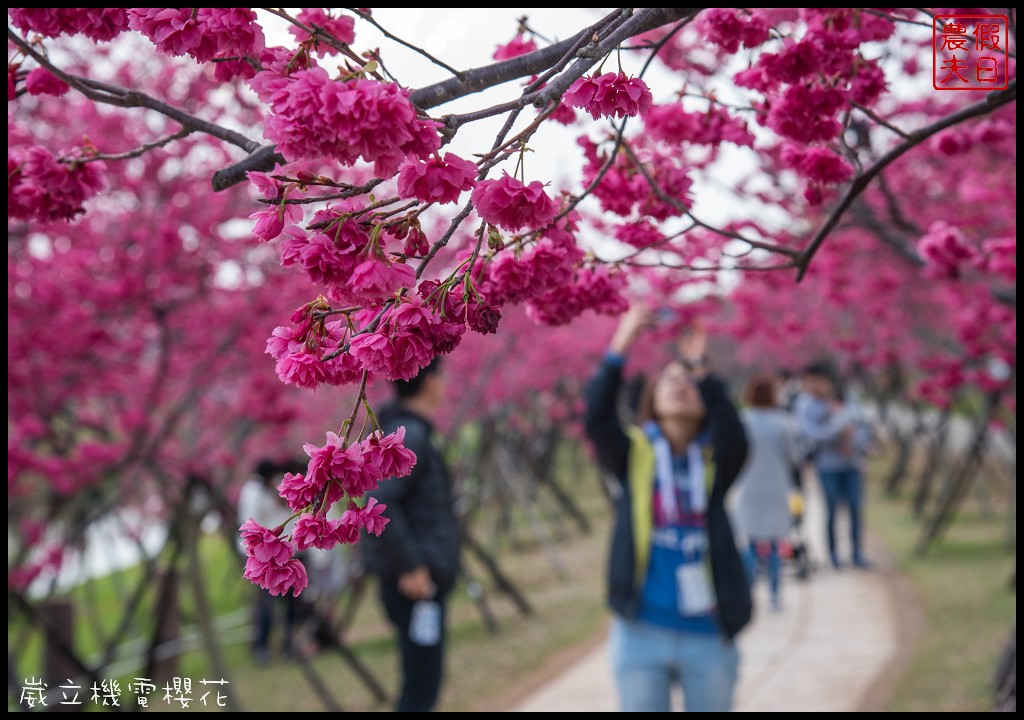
pixel 833 640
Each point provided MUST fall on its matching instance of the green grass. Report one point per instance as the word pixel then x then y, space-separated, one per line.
pixel 963 589
pixel 563 582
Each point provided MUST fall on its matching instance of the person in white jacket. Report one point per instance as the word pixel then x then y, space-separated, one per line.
pixel 764 486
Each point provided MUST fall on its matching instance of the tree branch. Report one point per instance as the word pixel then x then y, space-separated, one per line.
pixel 863 215
pixel 400 41
pixel 122 97
pixel 993 101
pixel 263 158
pixel 141 150
pixel 481 78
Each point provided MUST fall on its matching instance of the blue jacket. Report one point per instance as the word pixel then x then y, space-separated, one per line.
pixel 629 456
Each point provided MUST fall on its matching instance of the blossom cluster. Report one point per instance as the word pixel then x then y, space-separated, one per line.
pixel 41 186
pixel 97 23
pixel 609 95
pixel 201 33
pixel 340 27
pixel 345 257
pixel 945 250
pixel 512 205
pixel 335 471
pixel 314 115
pixel 514 48
pixel 437 180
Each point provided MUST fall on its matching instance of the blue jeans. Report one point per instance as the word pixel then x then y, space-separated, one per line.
pixel 773 561
pixel 647 660
pixel 843 486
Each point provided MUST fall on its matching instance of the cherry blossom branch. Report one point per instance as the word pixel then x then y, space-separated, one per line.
pixel 478 79
pixel 350 422
pixel 665 239
pixel 538 84
pixel 684 210
pixel 122 97
pixel 348 192
pixel 315 31
pixel 867 219
pixel 619 133
pixel 443 240
pixel 522 137
pixel 993 101
pixel 642 21
pixel 706 268
pixel 895 19
pixel 263 158
pixel 531 94
pixel 892 204
pixel 356 213
pixel 608 23
pixel 481 78
pixel 770 247
pixel 141 150
pixel 881 121
pixel 369 18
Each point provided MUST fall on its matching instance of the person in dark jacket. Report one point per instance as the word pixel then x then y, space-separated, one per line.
pixel 676 582
pixel 416 558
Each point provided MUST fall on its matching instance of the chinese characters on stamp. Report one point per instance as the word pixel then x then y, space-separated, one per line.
pixel 969 52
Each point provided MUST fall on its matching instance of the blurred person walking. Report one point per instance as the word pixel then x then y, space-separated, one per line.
pixel 416 559
pixel 677 586
pixel 765 485
pixel 841 438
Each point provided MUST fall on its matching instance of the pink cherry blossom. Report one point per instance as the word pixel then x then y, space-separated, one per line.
pixel 314 115
pixel 817 164
pixel 610 95
pixel 436 180
pixel 275 578
pixel 806 113
pixel 388 454
pixel 638 234
pixel 41 186
pixel 97 23
pixel 511 205
pixel 728 28
pixel 508 279
pixel 372 281
pixel 42 82
pixel 514 48
pixel 319 532
pixel 945 249
pixel 416 243
pixel 203 33
pixel 341 27
pixel 297 491
pixel 264 545
pixel 370 516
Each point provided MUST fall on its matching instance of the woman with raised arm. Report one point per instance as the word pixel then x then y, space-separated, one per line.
pixel 676 582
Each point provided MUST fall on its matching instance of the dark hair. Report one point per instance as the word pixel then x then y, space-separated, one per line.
pixel 819 368
pixel 644 409
pixel 761 392
pixel 266 468
pixel 826 370
pixel 411 388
